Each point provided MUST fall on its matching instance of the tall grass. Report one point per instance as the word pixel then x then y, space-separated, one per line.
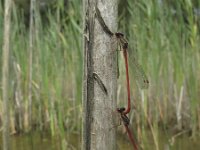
pixel 57 69
pixel 166 40
pixel 167 47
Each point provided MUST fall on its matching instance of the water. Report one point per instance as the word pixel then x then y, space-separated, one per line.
pixel 38 141
pixel 41 141
pixel 165 142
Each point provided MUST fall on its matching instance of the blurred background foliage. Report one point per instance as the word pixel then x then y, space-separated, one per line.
pixel 163 33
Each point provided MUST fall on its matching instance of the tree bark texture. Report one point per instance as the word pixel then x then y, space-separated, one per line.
pixel 5 74
pixel 100 77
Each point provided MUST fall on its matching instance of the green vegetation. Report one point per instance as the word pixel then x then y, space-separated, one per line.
pixel 166 37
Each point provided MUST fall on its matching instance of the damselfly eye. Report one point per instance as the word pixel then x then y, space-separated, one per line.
pixel 119 35
pixel 146 81
pixel 120 110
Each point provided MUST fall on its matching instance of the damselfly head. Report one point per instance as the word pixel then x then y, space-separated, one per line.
pixel 146 81
pixel 125 45
pixel 145 84
pixel 119 35
pixel 121 109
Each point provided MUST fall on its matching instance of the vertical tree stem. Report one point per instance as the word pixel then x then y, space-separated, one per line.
pixel 99 58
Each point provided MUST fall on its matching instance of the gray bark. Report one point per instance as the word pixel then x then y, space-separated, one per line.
pixel 99 58
pixel 5 74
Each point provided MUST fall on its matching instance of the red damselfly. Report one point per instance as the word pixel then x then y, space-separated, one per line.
pixel 126 123
pixel 119 118
pixel 139 73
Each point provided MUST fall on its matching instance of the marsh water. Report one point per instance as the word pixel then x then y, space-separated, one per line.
pixel 41 141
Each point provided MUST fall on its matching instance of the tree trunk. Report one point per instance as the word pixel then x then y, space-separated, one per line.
pixel 100 77
pixel 5 74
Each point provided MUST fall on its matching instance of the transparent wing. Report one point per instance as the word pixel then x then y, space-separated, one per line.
pixel 138 72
